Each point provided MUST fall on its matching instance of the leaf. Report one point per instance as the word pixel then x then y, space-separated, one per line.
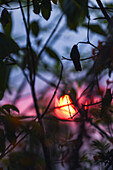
pixel 46 9
pixel 4 2
pixel 5 17
pixel 9 107
pixel 83 5
pixel 75 11
pixel 73 93
pixel 110 5
pixel 52 53
pixel 8 27
pixel 75 56
pixel 11 125
pixel 11 137
pixel 7 45
pixel 55 1
pixel 36 7
pixel 35 28
pixel 101 145
pixel 96 29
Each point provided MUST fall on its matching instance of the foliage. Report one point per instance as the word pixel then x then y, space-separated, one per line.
pixel 44 141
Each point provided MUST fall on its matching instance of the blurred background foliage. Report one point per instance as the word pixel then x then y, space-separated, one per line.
pixel 37 39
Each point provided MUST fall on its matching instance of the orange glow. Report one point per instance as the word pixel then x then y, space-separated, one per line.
pixel 86 107
pixel 66 110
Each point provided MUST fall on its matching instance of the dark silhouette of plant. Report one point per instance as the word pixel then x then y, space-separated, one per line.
pixel 44 141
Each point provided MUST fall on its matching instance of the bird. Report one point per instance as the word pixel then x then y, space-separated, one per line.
pixel 75 56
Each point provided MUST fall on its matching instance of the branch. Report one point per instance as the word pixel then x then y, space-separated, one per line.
pixel 23 15
pixel 9 148
pixel 19 65
pixel 103 10
pixel 87 42
pixel 51 35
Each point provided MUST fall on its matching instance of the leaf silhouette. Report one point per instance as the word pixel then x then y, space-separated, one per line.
pixel 5 17
pixel 7 45
pixel 75 56
pixel 36 7
pixel 46 9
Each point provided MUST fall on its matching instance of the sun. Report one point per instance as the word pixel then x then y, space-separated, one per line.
pixel 64 109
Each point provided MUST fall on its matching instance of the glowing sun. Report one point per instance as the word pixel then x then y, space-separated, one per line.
pixel 64 108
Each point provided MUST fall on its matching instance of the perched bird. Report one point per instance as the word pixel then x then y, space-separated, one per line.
pixel 75 56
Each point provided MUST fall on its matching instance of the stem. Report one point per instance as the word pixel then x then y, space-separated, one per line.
pixel 35 100
pixel 43 138
pixel 32 74
pixel 31 62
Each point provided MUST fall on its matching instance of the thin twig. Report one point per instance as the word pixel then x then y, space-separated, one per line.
pixel 51 35
pixel 88 29
pixel 98 8
pixel 15 8
pixel 97 127
pixel 92 104
pixel 31 64
pixel 43 114
pixel 87 42
pixel 87 58
pixel 25 23
pixel 45 80
pixel 1 156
